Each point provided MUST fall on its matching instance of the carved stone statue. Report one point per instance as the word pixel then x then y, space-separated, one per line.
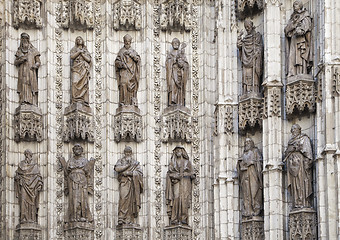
pixel 79 176
pixel 251 54
pixel 28 184
pixel 299 160
pixel 298 33
pixel 177 73
pixel 27 58
pixel 80 72
pixel 250 176
pixel 179 186
pixel 128 73
pixel 130 177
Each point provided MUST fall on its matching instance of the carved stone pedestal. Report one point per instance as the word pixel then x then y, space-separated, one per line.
pixel 250 111
pixel 28 231
pixel 302 224
pixel 28 123
pixel 128 124
pixel 179 232
pixel 177 124
pixel 79 231
pixel 252 229
pixel 129 232
pixel 78 124
pixel 300 93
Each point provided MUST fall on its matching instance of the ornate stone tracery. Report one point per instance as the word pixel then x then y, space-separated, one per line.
pixel 77 14
pixel 27 13
pixel 176 15
pixel 302 224
pixel 250 112
pixel 127 15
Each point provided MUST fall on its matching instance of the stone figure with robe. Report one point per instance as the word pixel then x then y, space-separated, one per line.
pixel 27 59
pixel 251 180
pixel 130 177
pixel 179 187
pixel 299 162
pixel 28 184
pixel 299 45
pixel 79 184
pixel 251 55
pixel 177 73
pixel 128 73
pixel 80 72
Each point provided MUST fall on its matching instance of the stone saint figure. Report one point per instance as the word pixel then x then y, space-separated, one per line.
pixel 128 73
pixel 298 33
pixel 177 73
pixel 130 177
pixel 299 160
pixel 79 176
pixel 80 72
pixel 250 177
pixel 251 55
pixel 28 184
pixel 178 186
pixel 27 58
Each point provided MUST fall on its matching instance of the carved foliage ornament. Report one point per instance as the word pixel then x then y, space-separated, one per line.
pixel 128 127
pixel 336 80
pixel 177 127
pixel 127 15
pixel 250 112
pixel 27 12
pixel 28 126
pixel 252 230
pixel 176 15
pixel 77 14
pixel 302 225
pixel 78 126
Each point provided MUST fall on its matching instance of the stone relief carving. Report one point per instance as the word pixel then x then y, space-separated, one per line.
pixel 179 187
pixel 336 80
pixel 27 13
pixel 229 119
pixel 299 160
pixel 128 232
pixel 250 112
pixel 130 177
pixel 252 229
pixel 77 14
pixel 249 7
pixel 272 102
pixel 302 224
pixel 176 15
pixel 127 15
pixel 182 232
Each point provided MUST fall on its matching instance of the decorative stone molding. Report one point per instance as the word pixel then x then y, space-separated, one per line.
pixel 28 231
pixel 177 124
pixel 302 224
pixel 28 123
pixel 229 119
pixel 128 124
pixel 177 232
pixel 79 230
pixel 78 123
pixel 300 94
pixel 77 14
pixel 245 8
pixel 27 13
pixel 250 111
pixel 126 232
pixel 127 15
pixel 252 229
pixel 336 80
pixel 272 102
pixel 176 15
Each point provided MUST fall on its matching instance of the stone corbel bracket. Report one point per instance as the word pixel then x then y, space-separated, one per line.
pixel 177 126
pixel 127 15
pixel 27 13
pixel 300 94
pixel 176 15
pixel 250 111
pixel 28 123
pixel 245 8
pixel 77 14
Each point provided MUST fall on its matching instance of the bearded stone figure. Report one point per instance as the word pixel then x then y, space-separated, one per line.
pixel 27 59
pixel 179 187
pixel 128 73
pixel 298 33
pixel 28 184
pixel 251 54
pixel 79 184
pixel 130 177
pixel 80 72
pixel 250 176
pixel 299 160
pixel 177 73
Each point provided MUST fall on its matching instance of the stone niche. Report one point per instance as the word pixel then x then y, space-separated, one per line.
pixel 250 111
pixel 177 232
pixel 302 224
pixel 28 123
pixel 252 229
pixel 79 230
pixel 128 232
pixel 78 124
pixel 28 231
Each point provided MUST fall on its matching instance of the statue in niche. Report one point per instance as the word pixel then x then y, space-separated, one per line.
pixel 298 33
pixel 27 58
pixel 130 177
pixel 178 187
pixel 79 176
pixel 250 177
pixel 80 72
pixel 128 73
pixel 177 73
pixel 251 55
pixel 299 160
pixel 28 184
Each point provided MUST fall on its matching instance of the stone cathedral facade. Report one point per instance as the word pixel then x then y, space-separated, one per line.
pixel 169 119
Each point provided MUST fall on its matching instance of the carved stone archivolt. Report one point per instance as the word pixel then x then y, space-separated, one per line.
pixel 128 232
pixel 177 232
pixel 176 15
pixel 252 229
pixel 27 13
pixel 77 14
pixel 127 15
pixel 250 111
pixel 302 224
pixel 249 7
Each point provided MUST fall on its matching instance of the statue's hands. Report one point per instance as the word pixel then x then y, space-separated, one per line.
pixel 128 174
pixel 299 31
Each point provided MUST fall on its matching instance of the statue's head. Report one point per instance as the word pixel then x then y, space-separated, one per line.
pixel 127 41
pixel 297 5
pixel 127 151
pixel 175 43
pixel 79 41
pixel 24 41
pixel 248 25
pixel 179 152
pixel 28 154
pixel 295 130
pixel 77 149
pixel 248 144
